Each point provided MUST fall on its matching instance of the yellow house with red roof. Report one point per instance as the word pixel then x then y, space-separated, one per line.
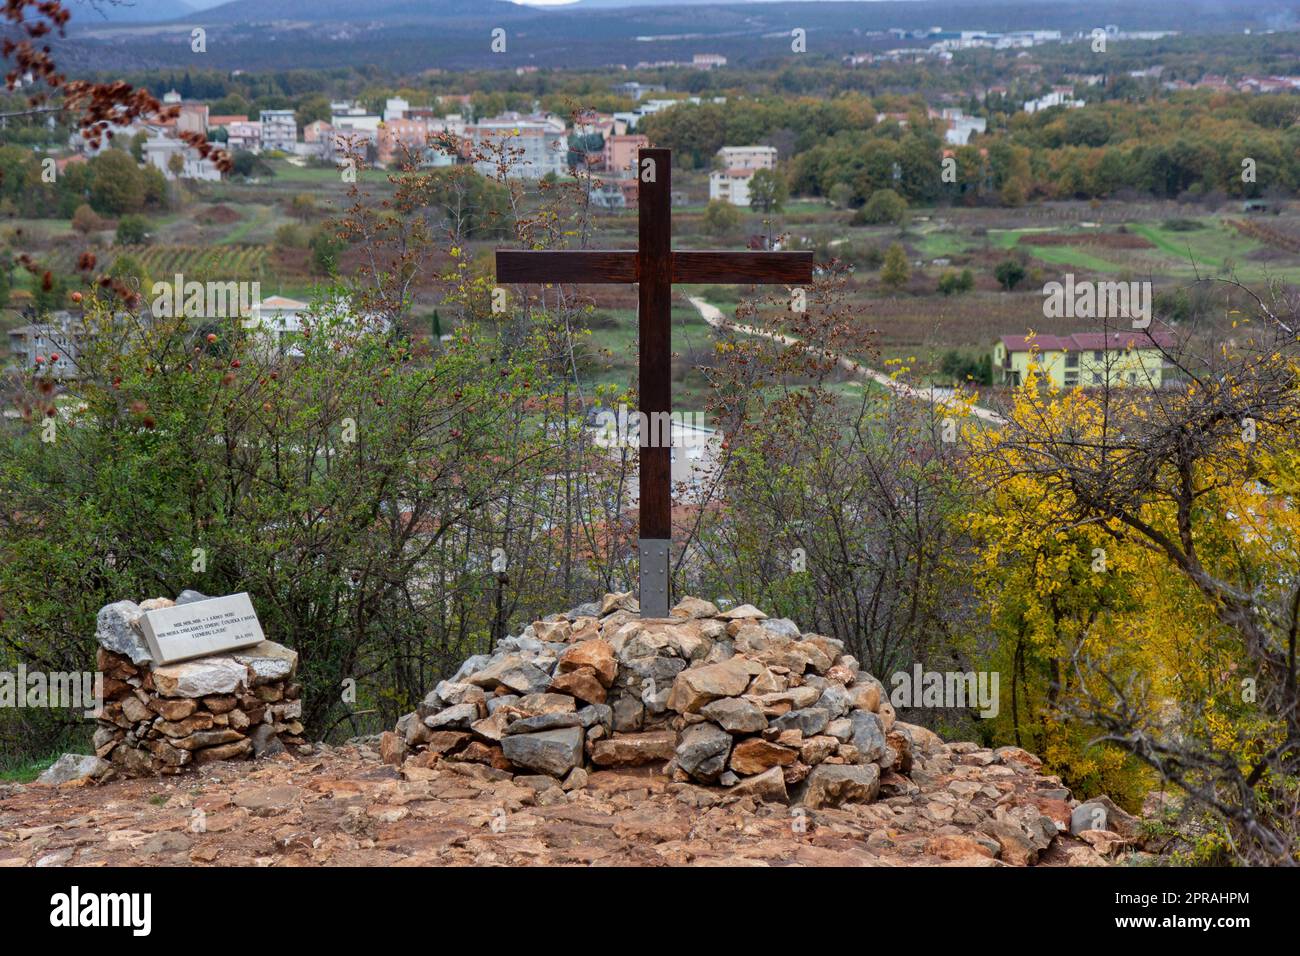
pixel 1086 359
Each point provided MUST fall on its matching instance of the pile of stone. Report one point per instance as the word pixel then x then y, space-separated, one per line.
pixel 728 699
pixel 160 719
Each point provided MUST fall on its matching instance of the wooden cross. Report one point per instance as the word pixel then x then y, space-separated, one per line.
pixel 655 267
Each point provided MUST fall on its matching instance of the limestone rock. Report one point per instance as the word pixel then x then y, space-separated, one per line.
pixel 865 693
pixel 597 655
pixel 697 686
pixel 810 721
pixel 755 755
pixel 782 627
pixel 1102 813
pixel 584 684
pixel 632 750
pixel 742 612
pixel 230 751
pixel 134 710
pixel 534 705
pixel 629 714
pixel 619 602
pixel 552 721
pixel 201 677
pixel 816 749
pixel 177 709
pixel 513 673
pixel 183 728
pixel 735 715
pixel 923 739
pixel 767 787
pixel 268 661
pixel 868 735
pixel 833 785
pixel 702 751
pixel 458 717
pixel 1015 846
pixel 693 607
pixel 207 738
pixel 72 768
pixel 835 700
pixel 115 631
pixel 554 752
pixel 266 743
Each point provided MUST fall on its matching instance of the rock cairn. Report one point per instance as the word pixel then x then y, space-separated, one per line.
pixel 730 699
pixel 160 719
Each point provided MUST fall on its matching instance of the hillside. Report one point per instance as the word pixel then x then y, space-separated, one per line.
pixel 454 34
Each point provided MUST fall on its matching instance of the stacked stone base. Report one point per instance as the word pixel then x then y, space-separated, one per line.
pixel 162 719
pixel 724 699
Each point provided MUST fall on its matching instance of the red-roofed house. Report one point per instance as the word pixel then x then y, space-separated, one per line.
pixel 1086 359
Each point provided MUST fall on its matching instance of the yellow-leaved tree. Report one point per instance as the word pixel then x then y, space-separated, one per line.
pixel 1140 561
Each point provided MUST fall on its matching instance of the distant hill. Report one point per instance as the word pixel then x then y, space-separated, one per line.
pixel 130 11
pixel 415 35
pixel 351 11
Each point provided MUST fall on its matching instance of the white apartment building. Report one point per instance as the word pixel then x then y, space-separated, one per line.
pixel 535 149
pixel 159 152
pixel 731 185
pixel 279 130
pixel 748 157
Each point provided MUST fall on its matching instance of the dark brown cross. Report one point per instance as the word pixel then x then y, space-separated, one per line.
pixel 655 267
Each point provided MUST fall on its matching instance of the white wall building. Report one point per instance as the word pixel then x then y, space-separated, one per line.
pixel 279 130
pixel 159 152
pixel 534 149
pixel 961 127
pixel 748 157
pixel 1054 98
pixel 730 185
pixel 395 108
pixel 276 323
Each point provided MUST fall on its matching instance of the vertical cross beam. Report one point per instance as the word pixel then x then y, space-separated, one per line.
pixel 654 316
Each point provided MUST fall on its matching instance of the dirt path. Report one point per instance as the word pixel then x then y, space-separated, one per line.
pixel 932 395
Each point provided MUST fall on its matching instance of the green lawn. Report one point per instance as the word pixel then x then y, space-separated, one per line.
pixel 25 771
pixel 1212 250
pixel 943 245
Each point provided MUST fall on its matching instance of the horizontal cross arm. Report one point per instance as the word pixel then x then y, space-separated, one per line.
pixel 769 268
pixel 551 265
pixel 620 266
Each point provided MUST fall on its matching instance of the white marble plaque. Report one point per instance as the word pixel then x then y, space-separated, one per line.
pixel 200 628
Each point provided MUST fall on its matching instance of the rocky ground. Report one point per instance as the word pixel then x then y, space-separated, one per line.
pixel 344 806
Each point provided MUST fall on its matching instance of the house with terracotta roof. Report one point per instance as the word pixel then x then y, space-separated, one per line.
pixel 1086 359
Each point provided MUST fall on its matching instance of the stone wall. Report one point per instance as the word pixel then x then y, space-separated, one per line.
pixel 729 699
pixel 160 719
